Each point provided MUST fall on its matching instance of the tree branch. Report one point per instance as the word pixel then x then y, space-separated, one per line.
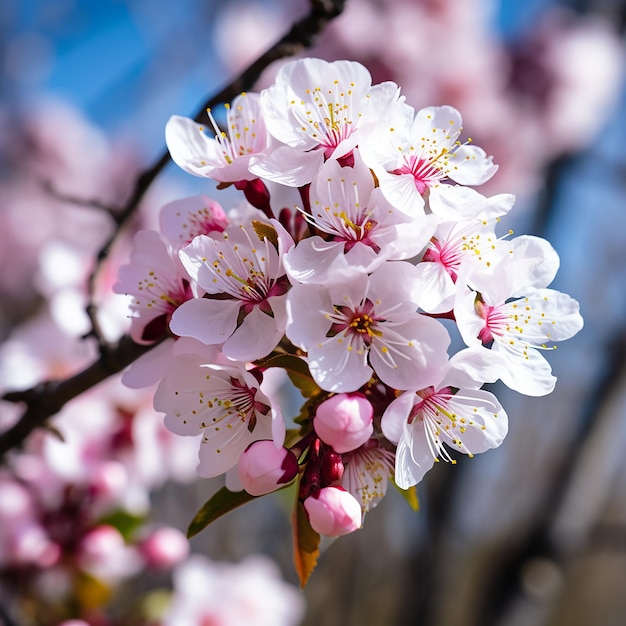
pixel 301 35
pixel 48 398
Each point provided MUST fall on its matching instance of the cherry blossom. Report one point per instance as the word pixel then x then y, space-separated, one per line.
pixel 459 245
pixel 263 467
pixel 412 153
pixel 371 231
pixel 225 404
pixel 249 592
pixel 510 309
pixel 368 325
pixel 318 109
pixel 163 548
pixel 245 284
pixel 158 284
pixel 360 228
pixel 182 220
pixel 453 411
pixel 226 156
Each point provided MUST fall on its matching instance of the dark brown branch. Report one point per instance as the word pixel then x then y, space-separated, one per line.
pixel 49 187
pixel 301 35
pixel 48 398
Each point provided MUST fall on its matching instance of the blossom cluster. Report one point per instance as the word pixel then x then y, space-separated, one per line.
pixel 360 246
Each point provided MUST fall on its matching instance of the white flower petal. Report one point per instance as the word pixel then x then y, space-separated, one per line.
pixel 287 166
pixel 411 355
pixel 395 416
pixel 401 192
pixel 338 368
pixel 470 165
pixel 438 291
pixel 413 462
pixel 150 367
pixel 471 368
pixel 208 321
pixel 529 374
pixel 190 148
pixel 255 338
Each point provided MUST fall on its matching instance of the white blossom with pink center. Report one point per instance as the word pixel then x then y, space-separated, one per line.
pixel 509 308
pixel 158 283
pixel 415 153
pixel 227 405
pixel 226 156
pixel 318 110
pixel 244 280
pixel 367 325
pixel 454 412
pixel 360 228
pixel 457 245
pixel 182 220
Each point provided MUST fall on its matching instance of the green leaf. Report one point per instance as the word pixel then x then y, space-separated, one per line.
pixel 410 495
pixel 306 544
pixel 297 370
pixel 125 522
pixel 219 504
pixel 265 231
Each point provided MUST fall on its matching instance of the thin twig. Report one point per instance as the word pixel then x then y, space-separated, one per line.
pixel 301 35
pixel 49 187
pixel 48 398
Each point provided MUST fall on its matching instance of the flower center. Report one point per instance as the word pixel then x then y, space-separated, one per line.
pixel 425 172
pixel 495 321
pixel 360 323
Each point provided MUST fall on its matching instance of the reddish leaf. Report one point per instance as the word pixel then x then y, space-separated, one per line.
pixel 305 544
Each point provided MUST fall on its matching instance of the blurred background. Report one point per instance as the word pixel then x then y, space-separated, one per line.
pixel 533 533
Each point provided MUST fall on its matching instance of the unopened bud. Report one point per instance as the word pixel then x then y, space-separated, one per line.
pixel 164 548
pixel 344 421
pixel 333 512
pixel 332 467
pixel 263 467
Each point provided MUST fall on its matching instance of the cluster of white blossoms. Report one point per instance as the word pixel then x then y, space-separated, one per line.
pixel 351 288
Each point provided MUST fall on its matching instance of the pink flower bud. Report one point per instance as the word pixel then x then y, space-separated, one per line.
pixel 164 548
pixel 101 542
pixel 263 467
pixel 344 421
pixel 103 553
pixel 333 512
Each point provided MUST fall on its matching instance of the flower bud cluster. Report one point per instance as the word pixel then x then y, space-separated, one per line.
pixel 359 231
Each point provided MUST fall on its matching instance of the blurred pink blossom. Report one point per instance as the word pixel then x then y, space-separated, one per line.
pixel 223 594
